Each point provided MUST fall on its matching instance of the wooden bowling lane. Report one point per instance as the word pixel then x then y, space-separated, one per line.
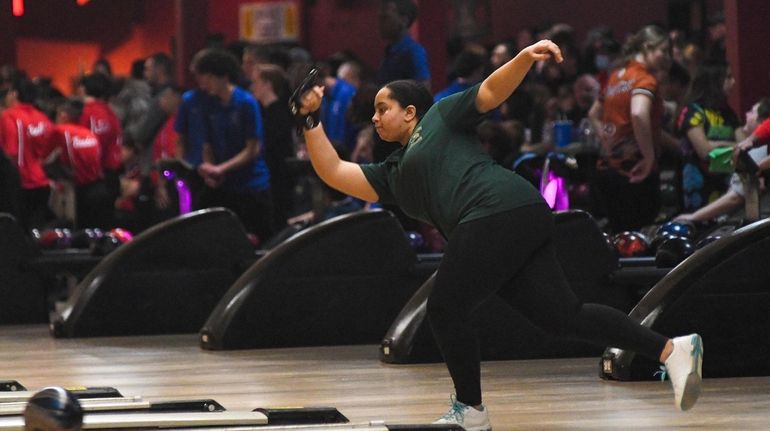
pixel 558 394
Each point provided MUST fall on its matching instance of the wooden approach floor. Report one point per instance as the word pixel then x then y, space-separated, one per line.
pixel 563 394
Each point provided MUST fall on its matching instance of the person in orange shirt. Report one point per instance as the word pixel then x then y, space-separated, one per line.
pixel 628 120
pixel 79 150
pixel 24 138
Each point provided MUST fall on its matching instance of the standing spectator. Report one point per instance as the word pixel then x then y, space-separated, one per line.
pixel 404 57
pixel 25 138
pixel 468 69
pixel 102 121
pixel 337 101
pixel 80 150
pixel 158 72
pixel 132 97
pixel 705 122
pixel 270 87
pixel 628 119
pixel 233 166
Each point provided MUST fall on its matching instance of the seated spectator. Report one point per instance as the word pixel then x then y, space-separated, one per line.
pixel 735 197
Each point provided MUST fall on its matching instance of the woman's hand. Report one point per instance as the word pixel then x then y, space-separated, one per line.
pixel 641 170
pixel 311 100
pixel 544 50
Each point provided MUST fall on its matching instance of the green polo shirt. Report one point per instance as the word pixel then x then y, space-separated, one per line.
pixel 443 176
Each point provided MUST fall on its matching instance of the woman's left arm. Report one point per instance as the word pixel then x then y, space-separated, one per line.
pixel 502 82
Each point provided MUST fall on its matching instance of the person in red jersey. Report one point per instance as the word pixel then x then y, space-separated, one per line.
pixel 80 151
pixel 24 138
pixel 101 120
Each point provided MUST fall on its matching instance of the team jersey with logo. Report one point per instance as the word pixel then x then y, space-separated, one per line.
pixel 99 118
pixel 620 152
pixel 25 138
pixel 80 150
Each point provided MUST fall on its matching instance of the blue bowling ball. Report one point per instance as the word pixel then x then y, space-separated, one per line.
pixel 416 240
pixel 683 229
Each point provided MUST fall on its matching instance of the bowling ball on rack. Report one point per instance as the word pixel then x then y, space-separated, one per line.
pixel 83 238
pixel 53 409
pixel 416 240
pixel 672 251
pixel 678 228
pixel 54 239
pixel 122 235
pixel 105 245
pixel 706 241
pixel 631 244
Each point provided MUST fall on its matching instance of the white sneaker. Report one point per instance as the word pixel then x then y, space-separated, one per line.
pixel 466 416
pixel 684 370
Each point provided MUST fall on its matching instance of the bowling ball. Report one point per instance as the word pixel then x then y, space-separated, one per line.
pixel 658 239
pixel 51 239
pixel 253 239
pixel 706 241
pixel 82 238
pixel 678 228
pixel 122 235
pixel 53 409
pixel 631 244
pixel 579 193
pixel 105 245
pixel 416 240
pixel 672 251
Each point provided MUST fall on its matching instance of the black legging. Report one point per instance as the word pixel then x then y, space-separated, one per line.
pixel 511 254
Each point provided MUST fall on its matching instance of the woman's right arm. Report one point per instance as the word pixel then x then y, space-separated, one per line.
pixel 339 174
pixel 701 144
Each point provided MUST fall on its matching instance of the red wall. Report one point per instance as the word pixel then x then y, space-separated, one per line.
pixel 123 30
pixel 59 39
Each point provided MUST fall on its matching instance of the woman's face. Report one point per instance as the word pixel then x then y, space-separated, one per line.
pixel 391 120
pixel 751 119
pixel 659 58
pixel 729 82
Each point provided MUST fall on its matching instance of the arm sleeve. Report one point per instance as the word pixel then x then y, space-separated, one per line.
pixel 459 110
pixel 691 116
pixel 378 175
pixel 762 133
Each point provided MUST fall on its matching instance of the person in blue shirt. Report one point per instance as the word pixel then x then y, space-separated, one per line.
pixel 334 111
pixel 232 167
pixel 404 58
pixel 468 70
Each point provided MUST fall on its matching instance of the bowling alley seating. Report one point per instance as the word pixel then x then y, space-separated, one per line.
pixel 341 281
pixel 722 291
pixel 166 280
pixel 594 271
pixel 23 292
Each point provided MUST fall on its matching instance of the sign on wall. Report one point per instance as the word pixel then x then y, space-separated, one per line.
pixel 269 22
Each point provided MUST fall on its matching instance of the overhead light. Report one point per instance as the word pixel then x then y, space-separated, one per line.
pixel 18 7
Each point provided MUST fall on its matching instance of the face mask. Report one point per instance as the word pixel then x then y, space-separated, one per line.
pixel 601 61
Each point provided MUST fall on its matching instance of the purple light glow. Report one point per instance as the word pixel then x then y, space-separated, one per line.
pixel 185 197
pixel 554 192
